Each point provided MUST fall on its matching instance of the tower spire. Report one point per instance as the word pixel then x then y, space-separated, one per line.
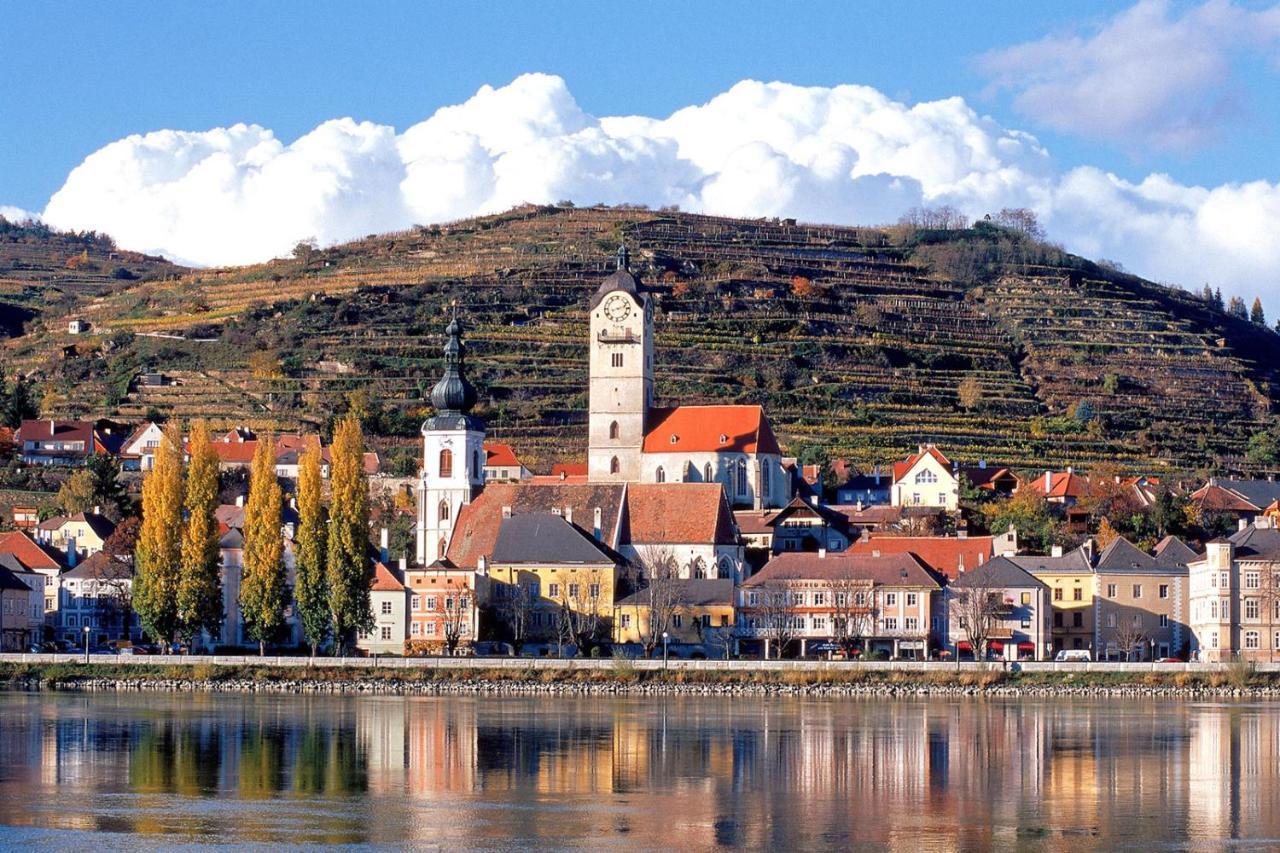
pixel 453 395
pixel 623 258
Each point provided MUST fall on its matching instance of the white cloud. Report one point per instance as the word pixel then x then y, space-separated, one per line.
pixel 1147 77
pixel 16 214
pixel 844 154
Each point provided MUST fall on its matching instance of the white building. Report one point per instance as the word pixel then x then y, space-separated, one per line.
pixel 1235 596
pixel 926 479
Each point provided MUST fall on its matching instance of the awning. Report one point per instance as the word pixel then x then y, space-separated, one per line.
pixel 996 646
pixel 1026 647
pixel 964 646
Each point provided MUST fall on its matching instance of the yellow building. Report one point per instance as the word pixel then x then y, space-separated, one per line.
pixel 1071 581
pixel 84 532
pixel 550 580
pixel 696 615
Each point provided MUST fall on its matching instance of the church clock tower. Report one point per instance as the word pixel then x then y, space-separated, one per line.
pixel 621 390
pixel 452 453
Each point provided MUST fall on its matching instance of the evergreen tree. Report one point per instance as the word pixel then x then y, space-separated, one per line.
pixel 1217 298
pixel 347 561
pixel 311 590
pixel 263 593
pixel 200 585
pixel 1236 308
pixel 159 551
pixel 1207 295
pixel 1255 313
pixel 109 493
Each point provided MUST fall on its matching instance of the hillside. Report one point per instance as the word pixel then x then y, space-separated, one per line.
pixel 868 341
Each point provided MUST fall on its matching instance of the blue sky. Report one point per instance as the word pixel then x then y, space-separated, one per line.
pixel 79 76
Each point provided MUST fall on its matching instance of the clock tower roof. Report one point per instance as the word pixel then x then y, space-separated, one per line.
pixel 619 279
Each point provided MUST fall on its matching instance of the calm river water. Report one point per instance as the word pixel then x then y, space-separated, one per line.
pixel 159 771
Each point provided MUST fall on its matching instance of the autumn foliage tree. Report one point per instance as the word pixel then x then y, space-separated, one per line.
pixel 263 593
pixel 311 589
pixel 347 553
pixel 159 551
pixel 200 584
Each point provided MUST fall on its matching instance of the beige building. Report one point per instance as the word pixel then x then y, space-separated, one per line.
pixel 78 536
pixel 698 613
pixel 21 608
pixel 1141 602
pixel 389 601
pixel 1071 582
pixel 926 479
pixel 1017 619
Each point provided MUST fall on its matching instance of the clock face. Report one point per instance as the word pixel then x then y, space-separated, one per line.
pixel 617 308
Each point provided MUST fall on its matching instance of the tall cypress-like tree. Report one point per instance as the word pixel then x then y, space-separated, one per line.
pixel 1256 314
pixel 263 594
pixel 347 562
pixel 200 584
pixel 311 587
pixel 159 552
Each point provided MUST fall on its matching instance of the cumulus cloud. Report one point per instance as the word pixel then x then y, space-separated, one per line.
pixel 16 214
pixel 845 154
pixel 1148 76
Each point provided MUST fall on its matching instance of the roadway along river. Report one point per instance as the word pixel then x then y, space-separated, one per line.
pixel 153 771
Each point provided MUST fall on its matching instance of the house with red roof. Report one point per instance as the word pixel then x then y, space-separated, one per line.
pixel 501 463
pixel 389 601
pixel 926 479
pixel 54 442
pixel 1061 487
pixel 951 556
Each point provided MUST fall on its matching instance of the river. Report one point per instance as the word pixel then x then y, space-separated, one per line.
pixel 157 771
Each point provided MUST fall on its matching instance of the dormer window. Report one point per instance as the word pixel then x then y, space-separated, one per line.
pixel 674 438
pixel 724 439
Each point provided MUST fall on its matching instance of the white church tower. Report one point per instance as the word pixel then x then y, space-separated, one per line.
pixel 621 363
pixel 452 454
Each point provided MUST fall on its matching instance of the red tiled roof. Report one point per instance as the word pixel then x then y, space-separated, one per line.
pixel 383 581
pixel 755 521
pixel 500 455
pixel 43 430
pixel 26 551
pixel 1217 498
pixel 702 429
pixel 887 569
pixel 900 469
pixel 569 469
pixel 677 513
pixel 941 553
pixel 984 478
pixel 1062 484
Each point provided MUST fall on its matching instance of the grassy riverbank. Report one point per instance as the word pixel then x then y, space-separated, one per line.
pixel 622 676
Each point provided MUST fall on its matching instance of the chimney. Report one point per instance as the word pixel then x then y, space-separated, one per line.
pixel 877 473
pixel 97 509
pixel 482 565
pixel 404 565
pixel 240 500
pixel 568 514
pixel 982 464
pixel 1070 470
pixel 71 553
pixel 1055 551
pixel 822 553
pixel 563 474
pixel 506 512
pixel 1088 550
pixel 1242 523
pixel 875 552
pixel 858 505
pixel 1048 482
pixel 384 538
pixel 595 528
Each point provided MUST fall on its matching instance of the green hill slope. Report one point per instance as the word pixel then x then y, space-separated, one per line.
pixel 866 340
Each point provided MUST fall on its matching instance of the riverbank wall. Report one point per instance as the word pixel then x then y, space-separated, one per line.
pixel 470 676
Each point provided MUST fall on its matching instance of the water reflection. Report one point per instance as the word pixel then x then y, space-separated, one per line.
pixel 688 773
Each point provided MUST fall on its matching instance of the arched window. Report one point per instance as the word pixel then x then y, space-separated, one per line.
pixel 614 466
pixel 742 477
pixel 613 430
pixel 706 473
pixel 699 568
pixel 926 476
pixel 726 568
pixel 444 510
pixel 660 476
pixel 441 548
pixel 764 481
pixel 446 463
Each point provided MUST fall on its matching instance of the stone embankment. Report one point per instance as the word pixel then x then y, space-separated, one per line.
pixel 1234 685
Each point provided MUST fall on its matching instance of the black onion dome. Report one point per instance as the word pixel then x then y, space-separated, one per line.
pixel 453 396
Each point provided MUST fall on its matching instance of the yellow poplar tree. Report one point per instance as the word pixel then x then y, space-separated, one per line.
pixel 311 587
pixel 200 585
pixel 159 551
pixel 347 560
pixel 263 594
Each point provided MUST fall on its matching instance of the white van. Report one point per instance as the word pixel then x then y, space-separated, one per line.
pixel 1073 656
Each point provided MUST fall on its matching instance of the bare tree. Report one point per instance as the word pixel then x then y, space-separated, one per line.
pixel 579 621
pixel 1129 634
pixel 457 618
pixel 853 612
pixel 976 608
pixel 513 604
pixel 776 616
pixel 659 575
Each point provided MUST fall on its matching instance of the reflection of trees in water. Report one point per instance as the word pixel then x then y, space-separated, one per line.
pixel 174 757
pixel 329 761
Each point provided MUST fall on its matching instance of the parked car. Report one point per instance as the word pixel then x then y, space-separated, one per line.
pixel 35 648
pixel 101 650
pixel 1170 660
pixel 131 650
pixel 1073 656
pixel 487 648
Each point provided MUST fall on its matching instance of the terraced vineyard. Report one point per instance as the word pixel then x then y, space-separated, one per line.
pixel 849 336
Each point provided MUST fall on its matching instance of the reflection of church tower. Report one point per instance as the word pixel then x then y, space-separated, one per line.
pixel 452 453
pixel 621 360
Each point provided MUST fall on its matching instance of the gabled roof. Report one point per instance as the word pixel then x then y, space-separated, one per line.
pixel 1123 554
pixel 999 573
pixel 754 521
pixel 546 539
pixel 677 513
pixel 888 570
pixel 232 540
pixel 944 554
pixel 27 552
pixel 47 430
pixel 1257 492
pixel 1171 549
pixel 710 429
pixel 1072 562
pixel 381 579
pixel 99 524
pixel 800 507
pixel 500 455
pixel 985 477
pixel 476 530
pixel 1062 484
pixel 900 469
pixel 877 515
pixel 101 566
pixel 9 580
pixel 694 592
pixel 1257 543
pixel 1215 497
pixel 137 435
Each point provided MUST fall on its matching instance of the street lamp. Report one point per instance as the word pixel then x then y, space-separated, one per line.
pixel 664 650
pixel 86 643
